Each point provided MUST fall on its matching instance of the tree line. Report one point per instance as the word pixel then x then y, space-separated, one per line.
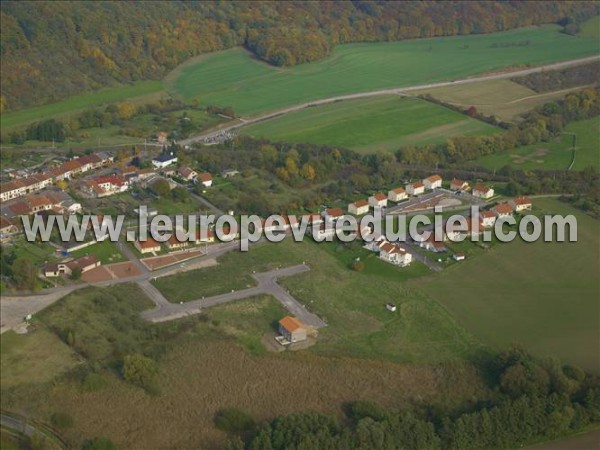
pixel 555 80
pixel 65 48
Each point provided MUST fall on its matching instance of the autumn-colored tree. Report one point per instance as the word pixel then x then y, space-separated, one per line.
pixel 126 110
pixel 308 172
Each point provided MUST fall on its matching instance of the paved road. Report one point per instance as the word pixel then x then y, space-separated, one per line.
pixel 400 90
pixel 267 284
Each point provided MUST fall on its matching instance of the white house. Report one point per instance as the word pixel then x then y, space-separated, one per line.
pixel 163 160
pixel 433 182
pixel 396 195
pixel 416 188
pixel 482 191
pixel 487 218
pixel 359 207
pixel 521 203
pixel 378 200
pixel 395 255
pixel 459 256
pixel 458 185
pixel 187 173
pixel 333 214
pixel 205 178
pixel 503 210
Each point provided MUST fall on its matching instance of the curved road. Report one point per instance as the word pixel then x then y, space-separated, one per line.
pixel 400 90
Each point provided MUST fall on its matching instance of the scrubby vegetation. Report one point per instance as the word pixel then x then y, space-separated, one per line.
pixel 536 400
pixel 555 80
pixel 61 48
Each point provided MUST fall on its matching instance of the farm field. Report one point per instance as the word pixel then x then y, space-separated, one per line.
pixel 140 92
pixel 554 154
pixel 504 99
pixel 378 123
pixel 541 295
pixel 234 78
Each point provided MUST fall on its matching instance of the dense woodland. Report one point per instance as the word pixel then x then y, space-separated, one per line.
pixel 534 400
pixel 51 50
pixel 554 80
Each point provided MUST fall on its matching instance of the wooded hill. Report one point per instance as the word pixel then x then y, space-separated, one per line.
pixel 51 50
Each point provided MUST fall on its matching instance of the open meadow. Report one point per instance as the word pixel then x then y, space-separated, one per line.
pixel 541 295
pixel 504 99
pixel 555 154
pixel 234 78
pixel 366 125
pixel 143 91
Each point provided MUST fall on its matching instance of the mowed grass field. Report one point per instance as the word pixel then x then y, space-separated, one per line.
pixel 555 154
pixel 235 78
pixel 378 123
pixel 504 99
pixel 541 295
pixel 139 92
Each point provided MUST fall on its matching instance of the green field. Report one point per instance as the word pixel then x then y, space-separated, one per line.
pixel 378 123
pixel 235 78
pixel 541 295
pixel 106 251
pixel 141 91
pixel 504 99
pixel 591 28
pixel 555 154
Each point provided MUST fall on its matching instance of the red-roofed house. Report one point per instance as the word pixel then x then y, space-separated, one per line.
pixel 503 210
pixel 433 182
pixel 396 195
pixel 415 188
pixel 205 178
pixel 487 218
pixel 378 200
pixel 482 191
pixel 521 203
pixel 292 329
pixel 333 214
pixel 359 207
pixel 187 173
pixel 147 246
pixel 458 185
pixel 394 254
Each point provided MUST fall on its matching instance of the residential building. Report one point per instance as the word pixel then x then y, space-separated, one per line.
pixel 147 246
pixel 432 245
pixel 163 160
pixel 7 227
pixel 378 200
pixel 333 214
pixel 394 254
pixel 459 256
pixel 205 178
pixel 521 203
pixel 482 191
pixel 85 263
pixel 292 329
pixel 229 173
pixel 415 188
pixel 107 185
pixel 487 218
pixel 23 186
pixel 458 185
pixel 359 207
pixel 396 195
pixel 433 182
pixel 503 210
pixel 175 244
pixel 205 236
pixel 187 173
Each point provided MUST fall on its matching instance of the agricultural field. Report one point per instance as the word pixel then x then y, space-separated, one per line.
pixel 555 154
pixel 541 295
pixel 141 92
pixel 504 99
pixel 366 125
pixel 234 78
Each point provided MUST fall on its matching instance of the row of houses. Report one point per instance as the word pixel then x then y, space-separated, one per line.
pixel 57 201
pixel 189 174
pixel 36 182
